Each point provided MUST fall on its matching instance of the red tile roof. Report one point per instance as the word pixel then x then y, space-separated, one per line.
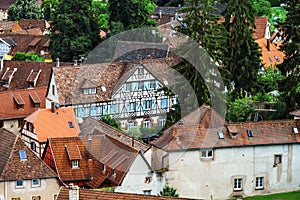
pixel 24 69
pixel 12 168
pixel 27 24
pixel 85 194
pixel 10 109
pixel 189 135
pixel 57 124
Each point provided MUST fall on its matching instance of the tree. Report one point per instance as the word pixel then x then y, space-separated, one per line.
pixel 243 52
pixel 239 110
pixel 290 67
pixel 48 8
pixel 100 12
pixel 26 9
pixel 168 191
pixel 262 8
pixel 130 13
pixel 20 56
pixel 74 31
pixel 111 121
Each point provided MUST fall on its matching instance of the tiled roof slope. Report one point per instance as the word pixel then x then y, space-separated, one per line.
pixel 23 42
pixel 49 124
pixel 91 126
pixel 23 71
pixel 63 164
pixel 115 154
pixel 194 136
pixel 9 108
pixel 4 4
pixel 6 26
pixel 12 168
pixel 26 24
pixel 270 57
pixel 85 194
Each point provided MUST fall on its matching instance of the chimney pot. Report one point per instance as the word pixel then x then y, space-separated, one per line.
pixel 52 107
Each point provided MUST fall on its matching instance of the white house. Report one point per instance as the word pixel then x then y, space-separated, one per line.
pixel 211 158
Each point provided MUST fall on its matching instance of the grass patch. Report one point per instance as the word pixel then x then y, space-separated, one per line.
pixel 281 196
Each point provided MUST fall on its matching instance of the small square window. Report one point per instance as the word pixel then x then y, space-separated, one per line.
pixel 277 159
pixel 249 133
pixel 238 184
pixel 147 192
pixel 36 197
pixel 259 183
pixel 295 129
pixel 36 182
pixel 19 184
pixel 71 125
pixel 22 154
pixel 221 135
pixel 114 172
pixel 75 163
pixel 207 154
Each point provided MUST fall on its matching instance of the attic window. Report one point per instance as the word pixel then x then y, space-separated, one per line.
pixel 71 125
pixel 75 163
pixel 103 88
pixel 277 59
pixel 295 129
pixel 233 135
pixel 140 70
pixel 22 154
pixel 114 172
pixel 249 133
pixel 89 91
pixel 221 135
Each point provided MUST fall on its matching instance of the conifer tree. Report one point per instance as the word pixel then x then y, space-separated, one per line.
pixel 290 68
pixel 26 9
pixel 243 52
pixel 74 31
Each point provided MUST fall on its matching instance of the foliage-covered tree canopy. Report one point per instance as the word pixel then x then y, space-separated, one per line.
pixel 19 56
pixel 74 30
pixel 168 191
pixel 290 67
pixel 26 9
pixel 111 121
pixel 101 13
pixel 48 8
pixel 243 52
pixel 239 110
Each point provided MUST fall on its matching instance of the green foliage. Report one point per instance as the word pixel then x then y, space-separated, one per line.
pixel 20 56
pixel 290 67
pixel 243 52
pixel 26 9
pixel 239 110
pixel 111 121
pixel 100 12
pixel 74 31
pixel 262 8
pixel 275 3
pixel 168 191
pixel 48 8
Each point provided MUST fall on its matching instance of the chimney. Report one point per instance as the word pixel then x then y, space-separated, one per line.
pixel 57 62
pixel 1 65
pixel 73 192
pixel 52 107
pixel 268 44
pixel 132 141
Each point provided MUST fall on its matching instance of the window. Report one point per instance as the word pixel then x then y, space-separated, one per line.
pixel 207 154
pixel 147 123
pixel 147 105
pixel 114 172
pixel 71 125
pixel 141 85
pixel 36 182
pixel 36 197
pixel 140 70
pixel 295 129
pixel 104 167
pixel 19 184
pixel 132 106
pixel 33 146
pixel 22 154
pixel 277 159
pixel 152 84
pixel 89 91
pixel 162 122
pixel 221 135
pixel 20 123
pixel 238 184
pixel 37 105
pixel 249 133
pixel 164 103
pixel 53 90
pixel 147 192
pixel 130 125
pixel 75 163
pixel 259 183
pixel 1 124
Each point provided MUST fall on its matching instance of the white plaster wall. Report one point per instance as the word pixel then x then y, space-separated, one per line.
pixel 50 96
pixel 47 190
pixel 134 181
pixel 12 126
pixel 200 178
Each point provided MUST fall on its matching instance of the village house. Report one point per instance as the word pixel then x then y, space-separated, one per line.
pixel 22 174
pixel 44 123
pixel 209 157
pixel 31 26
pixel 127 91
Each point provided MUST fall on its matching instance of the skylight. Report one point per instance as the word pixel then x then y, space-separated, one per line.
pixel 295 129
pixel 277 59
pixel 249 133
pixel 71 125
pixel 22 154
pixel 103 88
pixel 221 135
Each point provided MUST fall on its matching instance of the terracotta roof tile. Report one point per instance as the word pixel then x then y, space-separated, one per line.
pixel 5 4
pixel 191 136
pixel 10 109
pixel 57 124
pixel 85 194
pixel 6 26
pixel 26 24
pixel 14 168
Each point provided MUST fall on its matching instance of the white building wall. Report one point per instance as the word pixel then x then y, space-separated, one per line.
pixel 52 95
pixel 12 126
pixel 195 177
pixel 140 179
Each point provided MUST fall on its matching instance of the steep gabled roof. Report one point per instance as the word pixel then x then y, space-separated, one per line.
pixel 10 109
pixel 60 123
pixel 91 126
pixel 85 194
pixel 12 167
pixel 205 134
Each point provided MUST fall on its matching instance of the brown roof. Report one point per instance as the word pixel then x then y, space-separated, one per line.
pixel 194 136
pixel 26 97
pixel 24 69
pixel 295 113
pixel 5 4
pixel 12 168
pixel 270 57
pixel 6 26
pixel 85 194
pixel 93 126
pixel 26 24
pixel 57 124
pixel 23 42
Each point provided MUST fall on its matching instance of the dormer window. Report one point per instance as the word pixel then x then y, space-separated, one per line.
pixel 33 77
pixel 233 131
pixel 89 91
pixel 75 163
pixel 19 101
pixel 114 172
